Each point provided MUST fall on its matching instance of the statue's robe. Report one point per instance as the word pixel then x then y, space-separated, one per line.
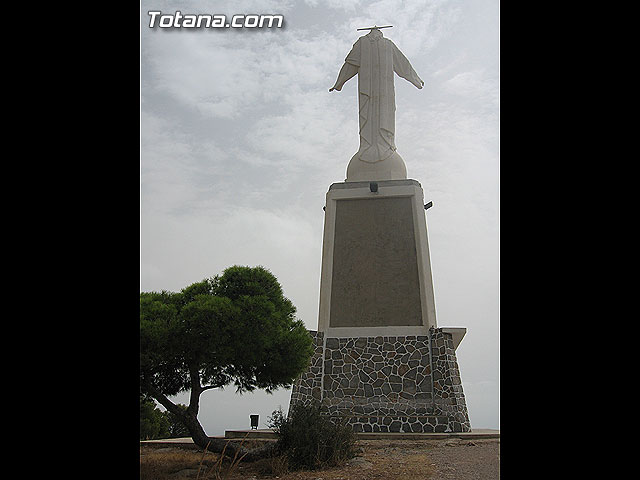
pixel 375 58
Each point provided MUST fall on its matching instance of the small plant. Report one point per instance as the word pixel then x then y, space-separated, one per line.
pixel 217 470
pixel 310 440
pixel 279 465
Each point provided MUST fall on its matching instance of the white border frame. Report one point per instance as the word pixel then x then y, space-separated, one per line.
pixel 357 190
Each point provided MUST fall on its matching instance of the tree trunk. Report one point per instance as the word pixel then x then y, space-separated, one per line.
pixel 217 445
pixel 200 438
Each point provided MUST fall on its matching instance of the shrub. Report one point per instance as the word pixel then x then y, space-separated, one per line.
pixel 311 440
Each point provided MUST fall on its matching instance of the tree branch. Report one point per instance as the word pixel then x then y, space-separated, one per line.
pixel 164 401
pixel 196 390
pixel 217 385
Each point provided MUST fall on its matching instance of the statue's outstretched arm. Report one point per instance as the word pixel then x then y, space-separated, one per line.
pixel 346 72
pixel 404 69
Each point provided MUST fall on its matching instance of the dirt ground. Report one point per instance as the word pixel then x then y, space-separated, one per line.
pixel 453 459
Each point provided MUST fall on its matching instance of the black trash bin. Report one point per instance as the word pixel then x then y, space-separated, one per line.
pixel 254 421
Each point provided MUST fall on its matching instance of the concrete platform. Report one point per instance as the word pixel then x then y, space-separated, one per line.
pixel 473 434
pixel 185 442
pixel 268 434
pixel 261 433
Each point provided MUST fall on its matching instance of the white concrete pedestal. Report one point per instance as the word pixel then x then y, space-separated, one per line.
pixel 376 271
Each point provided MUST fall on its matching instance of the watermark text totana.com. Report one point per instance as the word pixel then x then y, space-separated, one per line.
pixel 204 20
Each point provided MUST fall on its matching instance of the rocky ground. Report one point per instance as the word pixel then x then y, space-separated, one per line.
pixel 453 459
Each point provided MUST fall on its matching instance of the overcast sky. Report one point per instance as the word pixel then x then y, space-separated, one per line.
pixel 240 141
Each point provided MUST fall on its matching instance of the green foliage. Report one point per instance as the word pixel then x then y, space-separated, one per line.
pixel 177 428
pixel 310 440
pixel 235 328
pixel 153 423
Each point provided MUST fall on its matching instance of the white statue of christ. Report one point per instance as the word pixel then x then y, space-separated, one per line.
pixel 375 59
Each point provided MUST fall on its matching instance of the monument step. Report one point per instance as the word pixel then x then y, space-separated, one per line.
pixel 478 434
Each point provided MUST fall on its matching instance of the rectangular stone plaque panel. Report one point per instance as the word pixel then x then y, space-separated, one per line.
pixel 375 266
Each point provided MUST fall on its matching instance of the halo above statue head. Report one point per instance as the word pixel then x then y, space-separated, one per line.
pixel 375 27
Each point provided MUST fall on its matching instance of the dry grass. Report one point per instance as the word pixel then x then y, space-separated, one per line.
pixel 218 471
pixel 383 460
pixel 175 463
pixel 162 463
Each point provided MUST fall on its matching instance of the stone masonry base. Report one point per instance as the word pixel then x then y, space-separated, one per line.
pixel 387 384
